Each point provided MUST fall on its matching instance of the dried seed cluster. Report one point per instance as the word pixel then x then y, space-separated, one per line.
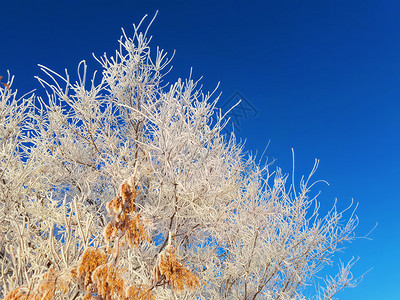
pixel 173 272
pixel 50 283
pixel 141 292
pixel 98 277
pixel 6 85
pixel 107 282
pixel 105 279
pixel 92 258
pixel 126 223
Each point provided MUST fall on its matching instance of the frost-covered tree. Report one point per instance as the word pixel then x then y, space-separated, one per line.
pixel 125 187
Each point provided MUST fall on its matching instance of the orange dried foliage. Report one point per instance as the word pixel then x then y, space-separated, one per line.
pixel 17 294
pixel 92 258
pixel 135 231
pixel 74 273
pixel 173 272
pixel 125 223
pixel 51 283
pixel 97 275
pixel 140 292
pixel 107 282
pixel 5 84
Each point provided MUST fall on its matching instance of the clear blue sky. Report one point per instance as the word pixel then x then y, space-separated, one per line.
pixel 324 77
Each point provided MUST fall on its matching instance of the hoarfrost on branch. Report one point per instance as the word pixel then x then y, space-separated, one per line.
pixel 124 187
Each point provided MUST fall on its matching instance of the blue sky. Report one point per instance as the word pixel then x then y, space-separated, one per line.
pixel 323 77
